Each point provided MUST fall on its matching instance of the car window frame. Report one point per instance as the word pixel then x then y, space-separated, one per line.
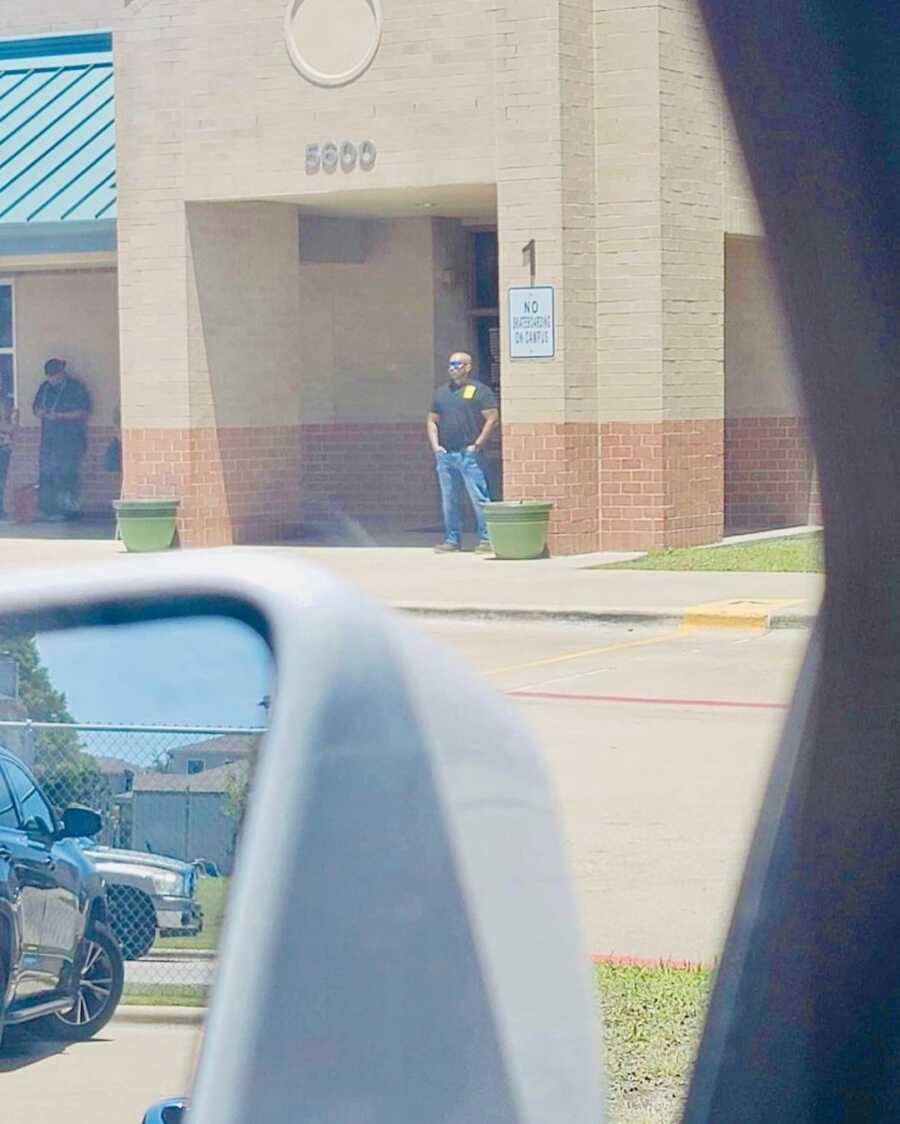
pixel 7 787
pixel 54 826
pixel 800 1025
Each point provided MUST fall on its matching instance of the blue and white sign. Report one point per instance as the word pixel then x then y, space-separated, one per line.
pixel 532 323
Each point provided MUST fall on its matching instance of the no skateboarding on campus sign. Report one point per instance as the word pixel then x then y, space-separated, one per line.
pixel 532 323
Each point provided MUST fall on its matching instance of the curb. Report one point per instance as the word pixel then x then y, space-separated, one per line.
pixel 648 616
pixel 196 1016
pixel 793 620
pixel 648 962
pixel 540 613
pixel 159 1016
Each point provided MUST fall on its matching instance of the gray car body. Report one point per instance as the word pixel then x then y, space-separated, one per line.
pixel 177 915
pixel 85 881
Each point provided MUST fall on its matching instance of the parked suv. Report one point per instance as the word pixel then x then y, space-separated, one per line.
pixel 60 964
pixel 147 895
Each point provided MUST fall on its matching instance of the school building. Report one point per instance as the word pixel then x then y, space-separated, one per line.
pixel 259 227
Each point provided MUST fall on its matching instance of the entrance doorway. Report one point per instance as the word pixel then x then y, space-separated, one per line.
pixel 485 313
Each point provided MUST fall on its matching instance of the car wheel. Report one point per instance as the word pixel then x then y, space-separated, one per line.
pixel 133 920
pixel 99 991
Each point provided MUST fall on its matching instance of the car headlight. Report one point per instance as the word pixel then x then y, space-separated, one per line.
pixel 189 879
pixel 166 883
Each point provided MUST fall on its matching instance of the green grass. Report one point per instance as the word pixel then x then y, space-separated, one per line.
pixel 165 995
pixel 213 894
pixel 797 554
pixel 652 1021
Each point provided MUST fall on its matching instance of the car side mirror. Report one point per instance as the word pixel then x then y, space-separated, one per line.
pixel 168 1112
pixel 80 822
pixel 482 1006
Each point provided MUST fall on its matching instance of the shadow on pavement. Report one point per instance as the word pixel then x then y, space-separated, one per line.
pixel 102 529
pixel 21 1049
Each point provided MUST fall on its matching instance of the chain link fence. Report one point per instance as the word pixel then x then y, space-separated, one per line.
pixel 172 800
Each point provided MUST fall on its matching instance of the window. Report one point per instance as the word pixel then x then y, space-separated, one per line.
pixel 485 270
pixel 8 817
pixel 7 341
pixel 195 765
pixel 34 807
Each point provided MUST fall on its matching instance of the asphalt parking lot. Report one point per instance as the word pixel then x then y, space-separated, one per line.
pixel 111 1080
pixel 659 742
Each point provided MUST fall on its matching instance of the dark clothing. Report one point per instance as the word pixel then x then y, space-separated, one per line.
pixel 5 454
pixel 63 443
pixel 64 434
pixel 460 413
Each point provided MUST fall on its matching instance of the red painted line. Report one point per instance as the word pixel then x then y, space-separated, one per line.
pixel 733 704
pixel 642 962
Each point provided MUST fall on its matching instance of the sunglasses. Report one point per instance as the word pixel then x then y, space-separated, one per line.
pixel 457 364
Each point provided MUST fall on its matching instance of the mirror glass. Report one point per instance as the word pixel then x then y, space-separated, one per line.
pixel 126 755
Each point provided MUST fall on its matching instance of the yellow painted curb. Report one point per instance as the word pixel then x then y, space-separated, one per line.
pixel 740 614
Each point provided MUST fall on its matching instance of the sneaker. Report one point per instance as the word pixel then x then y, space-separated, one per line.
pixel 484 548
pixel 446 548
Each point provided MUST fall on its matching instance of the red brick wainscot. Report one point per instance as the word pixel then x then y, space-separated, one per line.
pixel 236 485
pixel 661 484
pixel 558 462
pixel 372 474
pixel 99 486
pixel 770 477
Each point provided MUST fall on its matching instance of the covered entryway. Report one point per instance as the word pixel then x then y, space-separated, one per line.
pixel 58 264
pixel 313 365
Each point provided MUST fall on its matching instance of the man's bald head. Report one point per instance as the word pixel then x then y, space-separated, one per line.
pixel 460 366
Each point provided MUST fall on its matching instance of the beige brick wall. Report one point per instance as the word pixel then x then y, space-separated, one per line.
pixel 426 97
pixel 629 210
pixel 759 361
pixel 528 130
pixel 692 218
pixel 367 348
pixel 453 327
pixel 74 316
pixel 245 314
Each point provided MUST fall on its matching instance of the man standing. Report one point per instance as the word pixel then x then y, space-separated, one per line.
pixel 63 405
pixel 463 415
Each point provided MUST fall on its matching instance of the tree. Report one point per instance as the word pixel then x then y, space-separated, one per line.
pixel 67 774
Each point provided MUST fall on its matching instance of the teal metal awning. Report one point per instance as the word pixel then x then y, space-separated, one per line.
pixel 57 136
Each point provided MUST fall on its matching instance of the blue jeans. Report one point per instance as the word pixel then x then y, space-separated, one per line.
pixel 451 469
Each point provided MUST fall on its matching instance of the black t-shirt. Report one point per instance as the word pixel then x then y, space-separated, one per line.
pixel 68 396
pixel 459 410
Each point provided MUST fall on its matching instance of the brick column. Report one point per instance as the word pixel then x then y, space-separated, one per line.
pixel 234 461
pixel 546 192
pixel 660 302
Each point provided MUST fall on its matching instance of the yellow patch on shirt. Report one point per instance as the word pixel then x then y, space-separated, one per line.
pixel 469 392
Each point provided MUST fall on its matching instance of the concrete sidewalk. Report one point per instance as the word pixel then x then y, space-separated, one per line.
pixel 414 578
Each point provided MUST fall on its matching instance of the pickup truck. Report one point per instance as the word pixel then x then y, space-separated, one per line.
pixel 148 896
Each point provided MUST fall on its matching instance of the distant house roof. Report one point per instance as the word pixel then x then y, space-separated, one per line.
pixel 210 780
pixel 114 766
pixel 57 131
pixel 238 745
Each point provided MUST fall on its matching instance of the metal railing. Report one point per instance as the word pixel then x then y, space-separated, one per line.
pixel 168 792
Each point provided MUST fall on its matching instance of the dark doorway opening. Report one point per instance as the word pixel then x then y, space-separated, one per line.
pixel 484 308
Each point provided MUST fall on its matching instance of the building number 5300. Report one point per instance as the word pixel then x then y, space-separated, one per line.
pixel 347 156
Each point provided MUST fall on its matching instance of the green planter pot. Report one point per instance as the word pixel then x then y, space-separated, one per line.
pixel 518 530
pixel 145 525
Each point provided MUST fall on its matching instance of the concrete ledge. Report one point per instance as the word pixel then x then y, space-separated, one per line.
pixel 719 615
pixel 540 612
pixel 162 1015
